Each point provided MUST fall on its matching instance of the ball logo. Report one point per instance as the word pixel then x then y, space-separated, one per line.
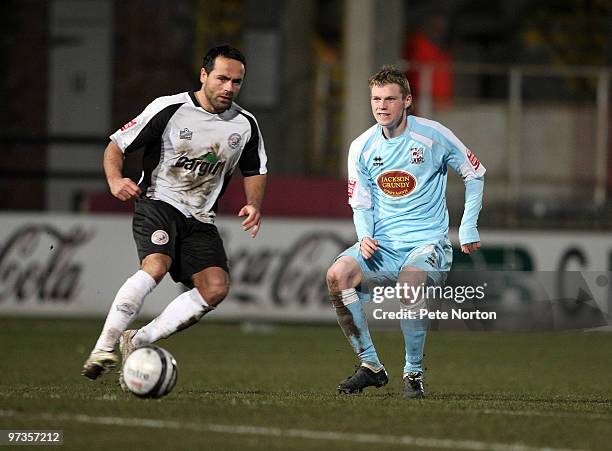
pixel 160 237
pixel 396 183
pixel 234 140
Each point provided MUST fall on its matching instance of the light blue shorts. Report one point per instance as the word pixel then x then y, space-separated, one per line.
pixel 387 262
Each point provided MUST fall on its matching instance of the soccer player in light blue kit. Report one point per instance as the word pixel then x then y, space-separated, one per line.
pixel 397 181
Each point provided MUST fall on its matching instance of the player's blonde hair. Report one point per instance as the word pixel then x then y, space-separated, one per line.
pixel 390 75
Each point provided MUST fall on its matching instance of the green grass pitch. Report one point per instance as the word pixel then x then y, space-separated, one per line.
pixel 274 389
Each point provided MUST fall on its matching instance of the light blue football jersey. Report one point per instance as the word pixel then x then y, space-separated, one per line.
pixel 398 185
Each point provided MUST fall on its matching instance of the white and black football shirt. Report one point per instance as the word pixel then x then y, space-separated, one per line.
pixel 191 154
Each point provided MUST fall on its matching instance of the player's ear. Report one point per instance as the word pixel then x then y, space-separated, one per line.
pixel 408 101
pixel 203 75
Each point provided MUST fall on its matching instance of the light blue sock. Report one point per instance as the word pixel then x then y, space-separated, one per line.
pixel 353 323
pixel 415 331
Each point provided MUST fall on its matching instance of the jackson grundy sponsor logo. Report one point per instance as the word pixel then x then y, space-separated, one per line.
pixel 396 183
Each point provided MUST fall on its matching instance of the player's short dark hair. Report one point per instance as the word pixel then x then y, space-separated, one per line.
pixel 390 75
pixel 208 62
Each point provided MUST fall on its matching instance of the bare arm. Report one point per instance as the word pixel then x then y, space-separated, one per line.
pixel 121 187
pixel 254 189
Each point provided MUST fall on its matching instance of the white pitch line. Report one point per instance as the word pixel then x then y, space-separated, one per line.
pixel 406 440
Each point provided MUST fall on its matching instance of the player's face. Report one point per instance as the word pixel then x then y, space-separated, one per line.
pixel 389 105
pixel 222 85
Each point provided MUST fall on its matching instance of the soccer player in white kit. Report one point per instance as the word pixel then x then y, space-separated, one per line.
pixel 397 181
pixel 194 141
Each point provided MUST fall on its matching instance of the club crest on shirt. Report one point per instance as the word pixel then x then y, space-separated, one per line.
pixel 378 161
pixel 416 155
pixel 234 140
pixel 160 237
pixel 396 183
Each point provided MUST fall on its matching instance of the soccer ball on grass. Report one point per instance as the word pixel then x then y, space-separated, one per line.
pixel 150 372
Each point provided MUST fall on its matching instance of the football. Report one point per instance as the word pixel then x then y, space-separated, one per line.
pixel 150 372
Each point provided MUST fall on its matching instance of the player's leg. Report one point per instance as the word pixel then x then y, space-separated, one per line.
pixel 424 266
pixel 154 232
pixel 126 305
pixel 130 297
pixel 184 311
pixel 211 286
pixel 202 266
pixel 414 331
pixel 342 278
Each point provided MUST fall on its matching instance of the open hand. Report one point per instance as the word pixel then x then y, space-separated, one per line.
pixel 252 221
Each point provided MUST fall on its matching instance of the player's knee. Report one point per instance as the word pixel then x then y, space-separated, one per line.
pixel 337 279
pixel 214 293
pixel 157 273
